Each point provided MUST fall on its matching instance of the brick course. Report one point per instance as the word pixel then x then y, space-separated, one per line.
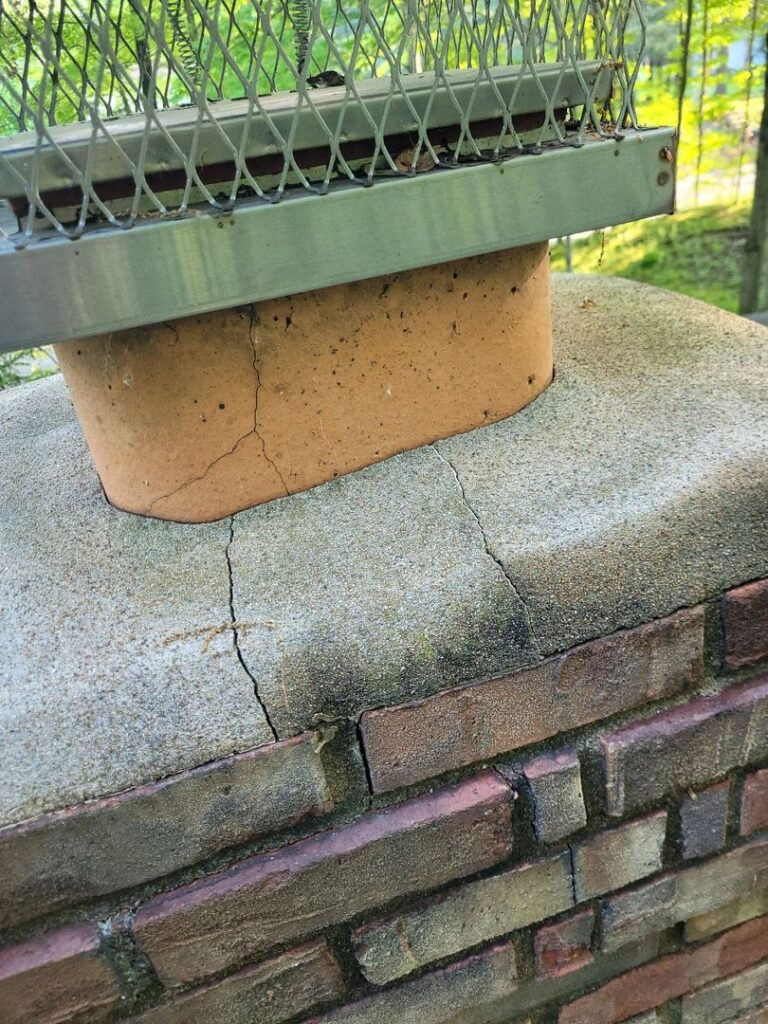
pixel 745 624
pixel 57 978
pixel 294 982
pixel 415 741
pixel 754 802
pixel 672 976
pixel 277 897
pixel 466 916
pixel 687 746
pixel 153 830
pixel 679 895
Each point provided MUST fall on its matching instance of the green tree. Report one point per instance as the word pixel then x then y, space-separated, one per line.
pixel 754 288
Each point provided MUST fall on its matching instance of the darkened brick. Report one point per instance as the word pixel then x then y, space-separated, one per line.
pixel 57 978
pixel 725 1000
pixel 453 995
pixel 703 821
pixel 280 896
pixel 466 916
pixel 745 622
pixel 680 895
pixel 411 742
pixel 564 947
pixel 558 800
pixel 150 831
pixel 686 746
pixel 267 993
pixel 754 802
pixel 619 856
pixel 670 977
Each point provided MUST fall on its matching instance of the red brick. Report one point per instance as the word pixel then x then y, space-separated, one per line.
pixel 415 741
pixel 745 622
pixel 685 747
pixel 564 947
pixel 280 896
pixel 302 979
pixel 754 802
pixel 670 977
pixel 56 978
pixel 144 833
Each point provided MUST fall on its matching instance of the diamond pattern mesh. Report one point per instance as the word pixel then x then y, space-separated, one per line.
pixel 113 111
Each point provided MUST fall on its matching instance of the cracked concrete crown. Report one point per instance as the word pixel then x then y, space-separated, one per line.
pixel 634 486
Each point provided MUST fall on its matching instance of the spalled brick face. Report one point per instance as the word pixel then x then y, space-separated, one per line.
pixel 273 898
pixel 670 977
pixel 745 624
pixel 704 820
pixel 156 829
pixel 564 947
pixel 754 803
pixel 270 992
pixel 416 741
pixel 686 746
pixel 59 977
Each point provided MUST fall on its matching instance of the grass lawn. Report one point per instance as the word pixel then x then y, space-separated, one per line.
pixel 697 252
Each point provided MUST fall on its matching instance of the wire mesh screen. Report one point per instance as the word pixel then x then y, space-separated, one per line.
pixel 114 111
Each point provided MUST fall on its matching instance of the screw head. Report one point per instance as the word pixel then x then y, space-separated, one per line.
pixel 663 178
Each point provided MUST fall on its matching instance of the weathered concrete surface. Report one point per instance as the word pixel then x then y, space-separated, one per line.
pixel 636 485
pixel 117 663
pixel 639 482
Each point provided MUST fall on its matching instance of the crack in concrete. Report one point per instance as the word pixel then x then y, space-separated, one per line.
pixel 253 432
pixel 253 321
pixel 486 544
pixel 236 632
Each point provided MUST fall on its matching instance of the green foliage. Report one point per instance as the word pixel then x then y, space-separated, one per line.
pixel 28 364
pixel 698 252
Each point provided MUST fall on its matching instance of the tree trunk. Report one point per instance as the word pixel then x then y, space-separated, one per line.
pixel 747 95
pixel 754 283
pixel 686 27
pixel 702 93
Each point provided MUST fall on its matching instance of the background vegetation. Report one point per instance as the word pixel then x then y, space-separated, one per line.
pixel 717 68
